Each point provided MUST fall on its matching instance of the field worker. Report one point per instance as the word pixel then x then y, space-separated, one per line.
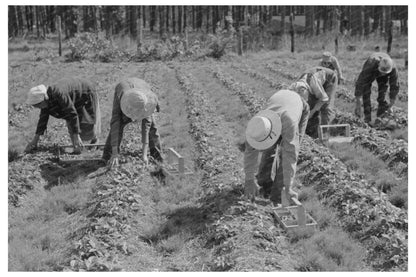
pixel 277 133
pixel 72 99
pixel 380 67
pixel 331 62
pixel 133 101
pixel 318 85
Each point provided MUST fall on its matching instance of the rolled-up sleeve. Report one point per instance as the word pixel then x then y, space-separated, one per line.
pixel 251 160
pixel 146 123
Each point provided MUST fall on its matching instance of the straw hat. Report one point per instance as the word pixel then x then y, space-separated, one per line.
pixel 264 129
pixel 326 56
pixel 36 95
pixel 138 103
pixel 386 65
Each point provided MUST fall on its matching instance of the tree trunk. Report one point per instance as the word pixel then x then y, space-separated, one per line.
pixel 13 30
pixel 161 20
pixel 133 22
pixel 367 14
pixel 152 18
pixel 387 14
pixel 292 34
pixel 144 17
pixel 59 35
pixel 167 13
pixel 174 19
pixel 318 14
pixel 309 20
pixel 357 21
pixel 381 24
pixel 282 19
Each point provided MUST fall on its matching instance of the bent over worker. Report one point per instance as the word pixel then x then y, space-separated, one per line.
pixel 331 62
pixel 73 99
pixel 318 86
pixel 133 101
pixel 381 68
pixel 277 133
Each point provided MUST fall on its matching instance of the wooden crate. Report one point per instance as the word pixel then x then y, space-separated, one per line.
pixel 175 167
pixel 326 138
pixel 63 155
pixel 293 216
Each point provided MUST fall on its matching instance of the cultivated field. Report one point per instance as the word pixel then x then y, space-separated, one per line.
pixel 81 217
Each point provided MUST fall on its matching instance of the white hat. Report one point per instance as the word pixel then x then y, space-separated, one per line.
pixel 36 95
pixel 386 65
pixel 138 103
pixel 264 129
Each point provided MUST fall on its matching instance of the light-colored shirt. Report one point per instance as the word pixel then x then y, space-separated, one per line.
pixel 294 112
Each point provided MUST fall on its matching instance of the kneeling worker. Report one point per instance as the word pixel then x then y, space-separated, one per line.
pixel 133 101
pixel 276 132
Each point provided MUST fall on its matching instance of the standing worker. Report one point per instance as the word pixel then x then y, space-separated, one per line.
pixel 133 101
pixel 331 62
pixel 72 99
pixel 277 133
pixel 380 67
pixel 318 85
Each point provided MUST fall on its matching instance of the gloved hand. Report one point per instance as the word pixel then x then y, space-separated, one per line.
pixel 31 146
pixel 291 193
pixel 391 104
pixel 78 144
pixel 251 188
pixel 145 160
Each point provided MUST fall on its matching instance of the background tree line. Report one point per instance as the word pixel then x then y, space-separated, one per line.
pixel 164 20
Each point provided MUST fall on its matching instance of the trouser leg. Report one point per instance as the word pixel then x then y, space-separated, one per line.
pixel 276 191
pixel 263 176
pixel 381 98
pixel 367 106
pixel 108 149
pixel 313 124
pixel 154 143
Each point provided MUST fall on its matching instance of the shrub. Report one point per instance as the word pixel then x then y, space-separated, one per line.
pixel 219 42
pixel 94 47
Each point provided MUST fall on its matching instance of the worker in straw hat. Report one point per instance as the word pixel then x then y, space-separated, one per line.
pixel 73 99
pixel 381 68
pixel 317 86
pixel 277 133
pixel 134 101
pixel 331 62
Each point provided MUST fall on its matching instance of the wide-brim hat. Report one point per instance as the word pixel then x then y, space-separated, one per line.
pixel 138 103
pixel 386 65
pixel 264 129
pixel 36 95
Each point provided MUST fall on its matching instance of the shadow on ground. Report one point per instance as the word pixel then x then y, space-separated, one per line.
pixel 60 174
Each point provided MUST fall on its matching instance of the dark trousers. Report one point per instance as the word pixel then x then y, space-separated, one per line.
pixel 270 188
pixel 381 98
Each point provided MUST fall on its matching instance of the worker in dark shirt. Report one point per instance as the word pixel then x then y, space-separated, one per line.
pixel 133 101
pixel 72 99
pixel 381 68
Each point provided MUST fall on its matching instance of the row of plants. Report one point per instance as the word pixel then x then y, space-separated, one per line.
pixel 362 210
pixel 239 225
pixel 394 152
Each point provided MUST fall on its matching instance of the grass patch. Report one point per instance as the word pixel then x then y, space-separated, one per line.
pixel 374 170
pixel 331 250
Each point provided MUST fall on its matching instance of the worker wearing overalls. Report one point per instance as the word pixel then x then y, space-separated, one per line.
pixel 378 67
pixel 133 101
pixel 276 133
pixel 319 86
pixel 73 99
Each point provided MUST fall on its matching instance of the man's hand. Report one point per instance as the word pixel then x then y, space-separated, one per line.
pixel 291 193
pixel 113 162
pixel 251 189
pixel 391 104
pixel 78 144
pixel 358 111
pixel 145 160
